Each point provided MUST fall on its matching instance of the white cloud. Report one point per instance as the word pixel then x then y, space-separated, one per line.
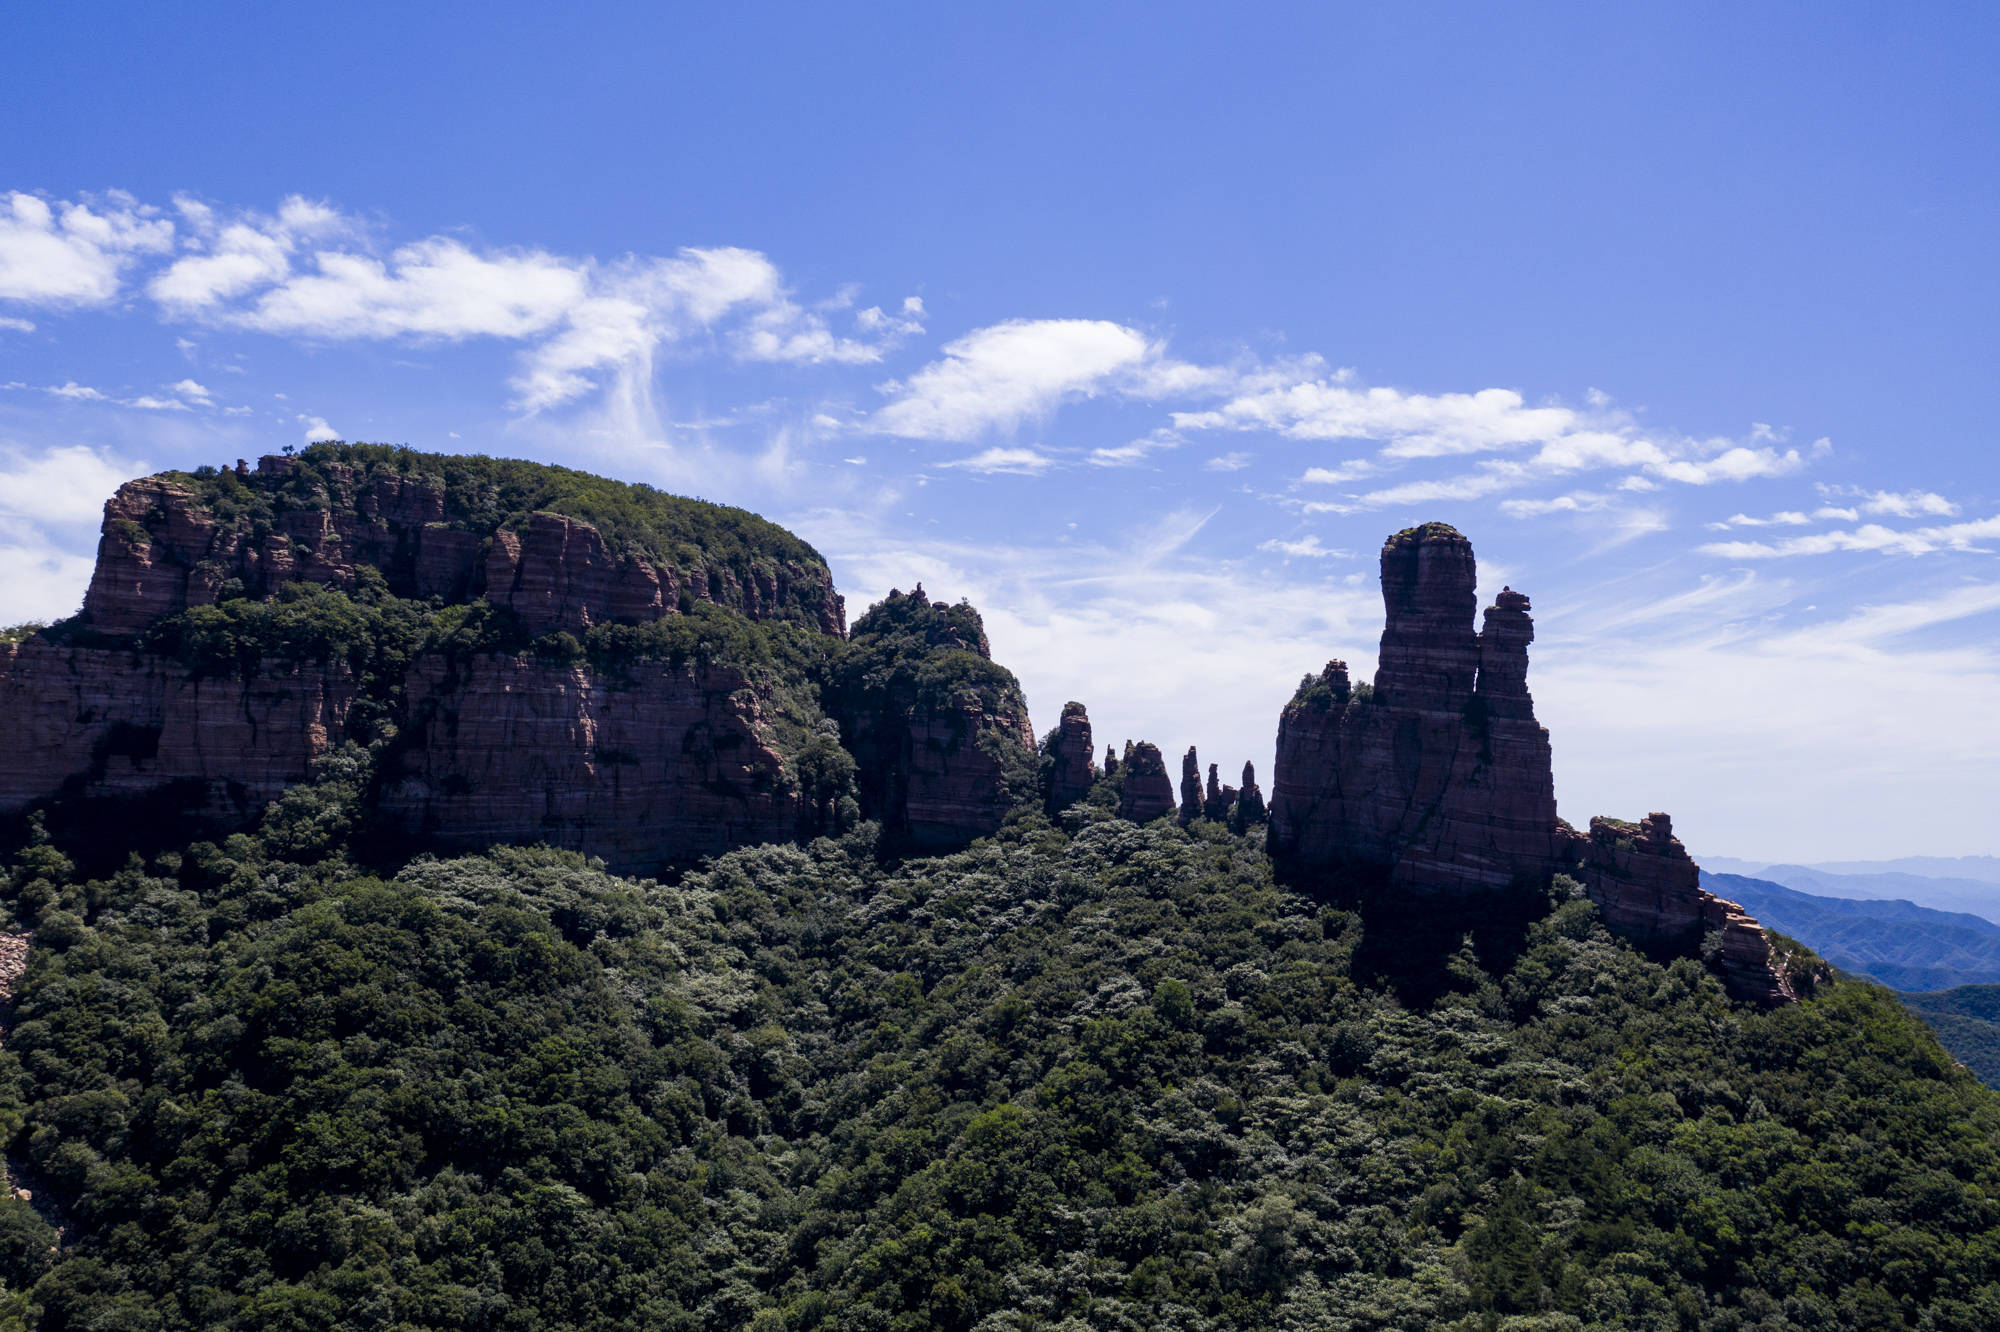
pixel 17 325
pixel 75 391
pixel 317 429
pixel 1125 455
pixel 190 390
pixel 1352 470
pixel 1019 461
pixel 239 257
pixel 1325 406
pixel 1580 501
pixel 1308 548
pixel 153 404
pixel 1753 768
pixel 1888 503
pixel 71 254
pixel 65 484
pixel 1869 537
pixel 1788 518
pixel 1228 462
pixel 1734 464
pixel 996 377
pixel 434 288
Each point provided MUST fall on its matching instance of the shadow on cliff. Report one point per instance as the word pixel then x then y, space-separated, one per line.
pixel 1414 943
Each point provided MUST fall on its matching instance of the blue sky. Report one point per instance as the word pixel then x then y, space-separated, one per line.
pixel 1140 327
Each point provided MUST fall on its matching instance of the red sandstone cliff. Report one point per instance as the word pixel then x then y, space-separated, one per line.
pixel 165 547
pixel 1442 779
pixel 649 764
pixel 1072 766
pixel 1650 892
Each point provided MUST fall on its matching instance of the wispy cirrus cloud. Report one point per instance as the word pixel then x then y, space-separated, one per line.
pixel 1869 537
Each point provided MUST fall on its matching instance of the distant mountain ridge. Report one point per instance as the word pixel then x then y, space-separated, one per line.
pixel 1969 893
pixel 1900 943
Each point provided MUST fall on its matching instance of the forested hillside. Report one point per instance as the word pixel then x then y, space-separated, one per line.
pixel 1083 1074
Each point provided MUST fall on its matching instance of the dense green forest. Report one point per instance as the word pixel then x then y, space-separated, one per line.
pixel 1084 1074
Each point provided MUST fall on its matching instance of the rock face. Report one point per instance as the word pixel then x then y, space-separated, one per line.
pixel 1148 792
pixel 644 764
pixel 1440 779
pixel 115 724
pixel 620 765
pixel 1650 892
pixel 939 732
pixel 176 540
pixel 1248 810
pixel 1190 787
pixel 1072 765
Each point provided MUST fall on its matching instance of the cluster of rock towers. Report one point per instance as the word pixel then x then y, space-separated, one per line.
pixel 1147 792
pixel 1436 781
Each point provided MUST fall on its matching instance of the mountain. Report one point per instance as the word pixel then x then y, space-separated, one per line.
pixel 1942 894
pixel 528 654
pixel 1978 869
pixel 447 893
pixel 1901 944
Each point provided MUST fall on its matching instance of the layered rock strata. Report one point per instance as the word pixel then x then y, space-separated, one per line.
pixel 1440 779
pixel 1191 803
pixel 1649 891
pixel 177 540
pixel 1248 810
pixel 939 733
pixel 651 759
pixel 643 762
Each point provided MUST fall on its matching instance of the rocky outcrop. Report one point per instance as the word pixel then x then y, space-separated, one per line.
pixel 180 539
pixel 650 764
pixel 644 763
pixel 939 732
pixel 1248 811
pixel 103 723
pixel 1649 891
pixel 1191 804
pixel 1148 791
pixel 1439 778
pixel 1071 757
pixel 1218 799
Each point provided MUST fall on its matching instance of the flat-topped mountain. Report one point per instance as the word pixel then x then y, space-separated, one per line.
pixel 530 654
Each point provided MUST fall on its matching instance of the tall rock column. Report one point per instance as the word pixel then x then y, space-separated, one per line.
pixel 1190 787
pixel 1072 766
pixel 1430 657
pixel 1440 778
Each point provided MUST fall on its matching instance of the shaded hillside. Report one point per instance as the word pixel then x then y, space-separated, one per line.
pixel 1901 944
pixel 1967 1021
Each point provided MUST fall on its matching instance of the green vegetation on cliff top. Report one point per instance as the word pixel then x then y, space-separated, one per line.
pixel 1082 1075
pixel 483 494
